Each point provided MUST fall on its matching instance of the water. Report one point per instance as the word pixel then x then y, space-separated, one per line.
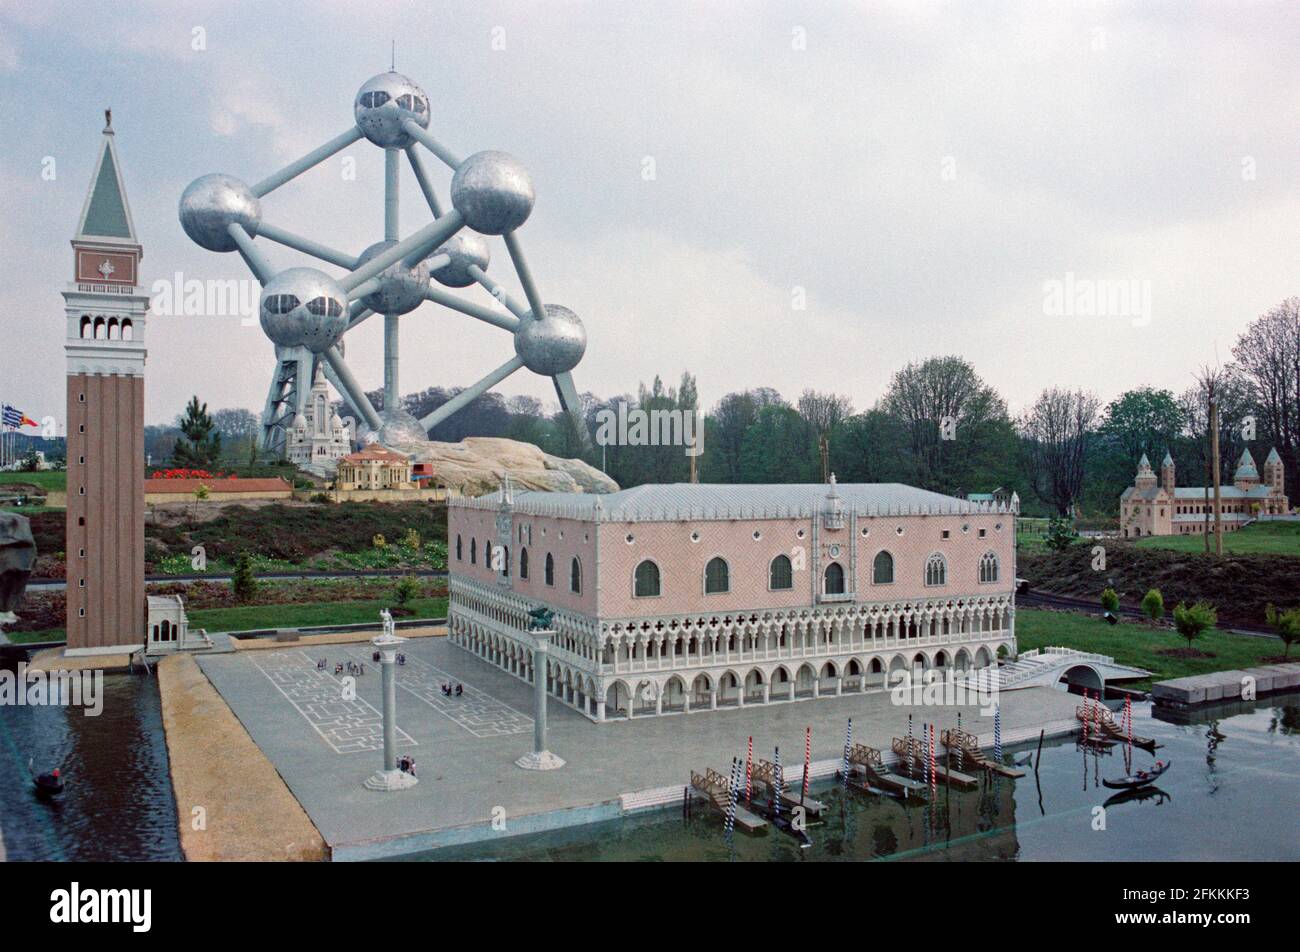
pixel 118 804
pixel 1230 795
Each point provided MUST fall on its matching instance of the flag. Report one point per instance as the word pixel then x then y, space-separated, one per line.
pixel 14 418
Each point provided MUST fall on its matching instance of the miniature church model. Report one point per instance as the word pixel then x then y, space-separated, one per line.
pixel 318 438
pixel 105 308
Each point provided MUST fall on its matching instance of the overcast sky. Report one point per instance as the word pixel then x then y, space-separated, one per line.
pixel 918 173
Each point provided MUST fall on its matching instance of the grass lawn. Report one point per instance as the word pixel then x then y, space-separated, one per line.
pixel 1259 538
pixel 31 637
pixel 1131 642
pixel 47 479
pixel 248 617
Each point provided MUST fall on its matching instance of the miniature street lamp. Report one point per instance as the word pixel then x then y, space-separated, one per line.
pixel 540 758
pixel 390 777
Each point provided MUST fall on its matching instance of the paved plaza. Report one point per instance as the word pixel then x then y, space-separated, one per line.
pixel 324 745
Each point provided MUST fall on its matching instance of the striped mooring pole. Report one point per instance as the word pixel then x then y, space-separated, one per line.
pixel 848 746
pixel 749 771
pixel 732 793
pixel 807 762
pixel 997 734
pixel 934 774
pixel 1128 717
pixel 911 771
pixel 776 782
pixel 925 758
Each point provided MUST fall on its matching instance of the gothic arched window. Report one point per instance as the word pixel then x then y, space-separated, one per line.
pixel 882 569
pixel 647 580
pixel 717 576
pixel 780 574
pixel 988 567
pixel 834 579
pixel 936 570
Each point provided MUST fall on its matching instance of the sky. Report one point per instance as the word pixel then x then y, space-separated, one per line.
pixel 764 194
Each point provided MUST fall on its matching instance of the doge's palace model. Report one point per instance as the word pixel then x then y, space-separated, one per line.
pixel 690 597
pixel 306 312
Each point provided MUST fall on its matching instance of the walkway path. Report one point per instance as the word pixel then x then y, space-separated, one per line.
pixel 223 783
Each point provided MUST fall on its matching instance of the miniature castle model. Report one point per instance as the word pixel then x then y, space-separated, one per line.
pixel 688 597
pixel 374 467
pixel 318 439
pixel 1154 506
pixel 105 309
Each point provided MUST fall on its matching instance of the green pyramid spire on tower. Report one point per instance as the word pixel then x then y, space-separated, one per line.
pixel 106 214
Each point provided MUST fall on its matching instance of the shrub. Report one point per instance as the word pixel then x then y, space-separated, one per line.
pixel 1190 622
pixel 379 541
pixel 202 492
pixel 412 539
pixel 406 589
pixel 1109 599
pixel 243 582
pixel 1285 624
pixel 1060 534
pixel 1153 605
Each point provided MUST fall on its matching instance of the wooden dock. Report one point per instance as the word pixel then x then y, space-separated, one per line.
pixel 867 759
pixel 965 746
pixel 764 774
pixel 912 756
pixel 716 790
pixel 1099 716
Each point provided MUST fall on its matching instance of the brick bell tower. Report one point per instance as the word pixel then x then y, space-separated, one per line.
pixel 105 308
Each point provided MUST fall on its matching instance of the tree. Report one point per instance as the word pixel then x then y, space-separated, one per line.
pixel 1285 624
pixel 1190 622
pixel 1056 430
pixel 1060 534
pixel 823 412
pixel 1109 599
pixel 406 589
pixel 1153 605
pixel 200 445
pixel 243 582
pixel 957 426
pixel 1268 354
pixel 778 448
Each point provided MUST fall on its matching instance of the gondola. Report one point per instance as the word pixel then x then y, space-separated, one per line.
pixel 46 784
pixel 1139 779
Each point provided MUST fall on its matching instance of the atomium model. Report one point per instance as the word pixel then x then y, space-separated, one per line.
pixel 306 312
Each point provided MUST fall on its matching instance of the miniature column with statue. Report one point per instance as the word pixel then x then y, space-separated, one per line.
pixel 390 777
pixel 540 758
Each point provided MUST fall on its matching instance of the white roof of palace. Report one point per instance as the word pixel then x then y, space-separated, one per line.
pixel 676 501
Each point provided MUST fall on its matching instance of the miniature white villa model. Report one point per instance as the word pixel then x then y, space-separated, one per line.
pixel 688 597
pixel 318 439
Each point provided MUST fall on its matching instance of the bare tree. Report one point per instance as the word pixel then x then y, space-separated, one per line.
pixel 1268 354
pixel 1210 380
pixel 823 412
pixel 1056 429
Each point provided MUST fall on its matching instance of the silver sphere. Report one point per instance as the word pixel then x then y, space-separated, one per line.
pixel 493 191
pixel 382 103
pixel 303 307
pixel 552 345
pixel 211 204
pixel 401 289
pixel 464 250
pixel 399 427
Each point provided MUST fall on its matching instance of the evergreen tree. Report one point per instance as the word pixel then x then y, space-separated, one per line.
pixel 243 582
pixel 200 443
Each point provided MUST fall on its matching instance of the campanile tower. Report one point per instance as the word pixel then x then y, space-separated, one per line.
pixel 105 308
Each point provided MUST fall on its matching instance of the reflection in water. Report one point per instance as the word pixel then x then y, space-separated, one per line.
pixel 1234 812
pixel 118 801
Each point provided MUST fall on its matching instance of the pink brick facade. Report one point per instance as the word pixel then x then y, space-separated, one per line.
pixel 677 647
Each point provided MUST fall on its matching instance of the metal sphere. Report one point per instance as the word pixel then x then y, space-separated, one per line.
pixel 211 204
pixel 401 289
pixel 399 427
pixel 382 103
pixel 303 307
pixel 493 191
pixel 552 345
pixel 464 250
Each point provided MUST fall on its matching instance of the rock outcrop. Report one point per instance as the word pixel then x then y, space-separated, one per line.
pixel 17 556
pixel 476 464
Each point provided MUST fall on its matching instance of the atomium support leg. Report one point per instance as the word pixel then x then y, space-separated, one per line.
pixel 347 385
pixel 571 404
pixel 392 340
pixel 422 176
pixel 286 396
pixel 471 393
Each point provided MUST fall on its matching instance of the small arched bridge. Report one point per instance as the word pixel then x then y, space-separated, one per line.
pixel 1047 666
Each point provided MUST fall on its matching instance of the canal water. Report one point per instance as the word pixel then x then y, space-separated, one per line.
pixel 1230 795
pixel 118 802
